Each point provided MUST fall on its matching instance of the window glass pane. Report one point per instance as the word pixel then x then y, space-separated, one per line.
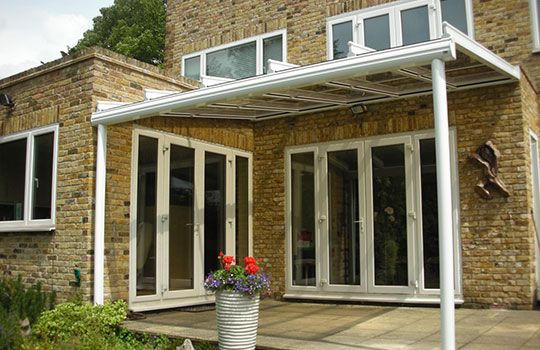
pixel 272 49
pixel 181 211
pixel 242 208
pixel 377 32
pixel 303 218
pixel 538 13
pixel 146 215
pixel 430 219
pixel 192 69
pixel 341 35
pixel 214 210
pixel 389 215
pixel 43 175
pixel 454 12
pixel 12 179
pixel 234 62
pixel 343 235
pixel 415 25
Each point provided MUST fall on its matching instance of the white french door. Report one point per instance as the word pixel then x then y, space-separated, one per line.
pixel 191 200
pixel 362 218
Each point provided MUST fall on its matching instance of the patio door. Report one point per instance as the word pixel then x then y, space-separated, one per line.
pixel 192 201
pixel 363 219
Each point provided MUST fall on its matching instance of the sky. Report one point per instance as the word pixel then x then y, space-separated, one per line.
pixel 35 31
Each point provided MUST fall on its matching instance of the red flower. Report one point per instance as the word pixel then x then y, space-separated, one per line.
pixel 249 260
pixel 252 268
pixel 227 260
pixel 227 267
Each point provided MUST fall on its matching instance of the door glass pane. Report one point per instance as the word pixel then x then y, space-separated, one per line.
pixel 181 210
pixel 455 13
pixel 272 49
pixel 430 221
pixel 214 210
pixel 192 69
pixel 415 25
pixel 242 208
pixel 43 175
pixel 234 62
pixel 341 35
pixel 389 215
pixel 12 179
pixel 146 215
pixel 344 246
pixel 303 218
pixel 377 32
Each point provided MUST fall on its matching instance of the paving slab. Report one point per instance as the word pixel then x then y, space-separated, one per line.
pixel 305 326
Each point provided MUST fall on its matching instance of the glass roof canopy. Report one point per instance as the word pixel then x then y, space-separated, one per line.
pixel 371 77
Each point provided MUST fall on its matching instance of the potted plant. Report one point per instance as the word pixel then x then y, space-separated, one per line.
pixel 238 290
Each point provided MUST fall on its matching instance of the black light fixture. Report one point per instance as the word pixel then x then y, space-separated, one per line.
pixel 6 100
pixel 359 109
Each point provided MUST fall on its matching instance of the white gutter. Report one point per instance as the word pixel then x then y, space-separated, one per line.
pixel 99 230
pixel 444 205
pixel 369 63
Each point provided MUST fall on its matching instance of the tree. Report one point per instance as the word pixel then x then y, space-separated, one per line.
pixel 135 28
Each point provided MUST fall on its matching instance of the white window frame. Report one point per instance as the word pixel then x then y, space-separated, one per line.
pixel 535 181
pixel 393 10
pixel 535 24
pixel 28 224
pixel 258 39
pixel 365 292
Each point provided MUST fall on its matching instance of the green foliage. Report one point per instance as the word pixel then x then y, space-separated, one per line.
pixel 24 303
pixel 10 330
pixel 135 28
pixel 70 320
pixel 17 304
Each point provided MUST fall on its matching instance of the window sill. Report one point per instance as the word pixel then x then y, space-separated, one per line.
pixel 4 227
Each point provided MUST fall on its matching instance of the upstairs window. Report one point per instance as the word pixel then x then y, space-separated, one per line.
pixel 535 22
pixel 396 24
pixel 28 180
pixel 241 59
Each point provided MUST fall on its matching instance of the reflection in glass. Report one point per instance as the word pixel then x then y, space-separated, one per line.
pixel 234 62
pixel 430 219
pixel 43 175
pixel 12 179
pixel 214 210
pixel 242 208
pixel 192 68
pixel 272 49
pixel 415 25
pixel 303 218
pixel 455 13
pixel 389 215
pixel 341 35
pixel 181 210
pixel 344 246
pixel 377 32
pixel 146 215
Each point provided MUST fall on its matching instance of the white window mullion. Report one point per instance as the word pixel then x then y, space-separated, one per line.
pixel 29 181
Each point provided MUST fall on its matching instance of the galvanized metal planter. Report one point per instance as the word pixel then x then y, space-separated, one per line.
pixel 237 320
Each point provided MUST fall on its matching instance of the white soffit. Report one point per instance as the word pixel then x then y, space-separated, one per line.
pixel 366 78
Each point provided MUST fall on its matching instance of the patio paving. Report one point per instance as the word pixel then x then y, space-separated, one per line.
pixel 299 325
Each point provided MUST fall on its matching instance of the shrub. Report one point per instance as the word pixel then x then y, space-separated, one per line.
pixel 70 320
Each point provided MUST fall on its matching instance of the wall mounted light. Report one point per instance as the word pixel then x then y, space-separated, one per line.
pixel 359 109
pixel 6 100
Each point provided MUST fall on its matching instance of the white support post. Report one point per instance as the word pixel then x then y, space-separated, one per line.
pixel 99 213
pixel 444 201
